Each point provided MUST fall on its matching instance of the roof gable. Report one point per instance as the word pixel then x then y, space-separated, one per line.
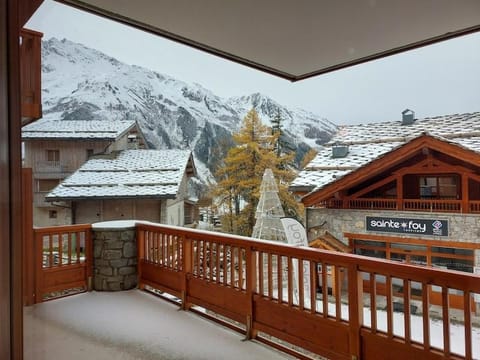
pixel 389 160
pixel 77 129
pixel 132 173
pixel 366 142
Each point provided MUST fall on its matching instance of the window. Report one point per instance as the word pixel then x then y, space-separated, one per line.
pixel 53 155
pixel 444 257
pixel 45 185
pixel 89 153
pixel 443 187
pixel 52 214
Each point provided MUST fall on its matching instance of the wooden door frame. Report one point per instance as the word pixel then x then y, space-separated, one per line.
pixel 13 15
pixel 11 304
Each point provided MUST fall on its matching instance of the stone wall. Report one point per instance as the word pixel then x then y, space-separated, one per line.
pixel 462 227
pixel 115 257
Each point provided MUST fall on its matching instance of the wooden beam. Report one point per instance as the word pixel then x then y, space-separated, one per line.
pixel 30 75
pixel 399 192
pixel 28 243
pixel 11 299
pixel 441 168
pixel 26 9
pixel 465 197
pixel 474 177
pixel 373 186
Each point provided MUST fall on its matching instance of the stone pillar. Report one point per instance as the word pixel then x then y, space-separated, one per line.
pixel 114 256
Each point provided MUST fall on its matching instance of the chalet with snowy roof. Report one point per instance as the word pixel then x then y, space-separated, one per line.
pixel 54 149
pixel 147 185
pixel 406 190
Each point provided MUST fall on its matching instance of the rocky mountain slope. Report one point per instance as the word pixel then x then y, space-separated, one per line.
pixel 83 83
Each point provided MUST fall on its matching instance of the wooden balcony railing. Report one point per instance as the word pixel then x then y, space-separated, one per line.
pixel 63 260
pixel 474 206
pixel 443 205
pixel 377 204
pixel 56 169
pixel 341 306
pixel 433 205
pixel 30 75
pixel 255 283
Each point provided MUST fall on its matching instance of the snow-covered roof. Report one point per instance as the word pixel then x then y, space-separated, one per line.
pixel 447 126
pixel 368 142
pixel 77 129
pixel 133 173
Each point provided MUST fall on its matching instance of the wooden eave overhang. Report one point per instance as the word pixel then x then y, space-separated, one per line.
pixel 389 160
pixel 297 40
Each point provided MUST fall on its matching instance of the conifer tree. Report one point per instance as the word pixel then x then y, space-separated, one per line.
pixel 277 131
pixel 240 175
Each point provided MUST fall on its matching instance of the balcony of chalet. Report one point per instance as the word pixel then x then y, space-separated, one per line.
pixel 146 291
pixel 447 205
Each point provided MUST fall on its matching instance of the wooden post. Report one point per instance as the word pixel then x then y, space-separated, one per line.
pixel 465 197
pixel 400 192
pixel 140 255
pixel 28 243
pixel 186 269
pixel 355 309
pixel 11 268
pixel 38 248
pixel 30 75
pixel 89 257
pixel 251 278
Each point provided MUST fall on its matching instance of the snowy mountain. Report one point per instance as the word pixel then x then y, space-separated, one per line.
pixel 83 83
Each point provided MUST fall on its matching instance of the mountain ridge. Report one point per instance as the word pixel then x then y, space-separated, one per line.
pixel 83 83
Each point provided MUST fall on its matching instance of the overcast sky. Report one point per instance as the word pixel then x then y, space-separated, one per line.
pixel 436 80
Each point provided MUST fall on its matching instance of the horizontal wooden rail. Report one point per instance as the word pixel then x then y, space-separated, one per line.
pixel 431 205
pixel 311 298
pixel 377 204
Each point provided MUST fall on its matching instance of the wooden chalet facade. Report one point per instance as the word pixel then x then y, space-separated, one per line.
pixel 54 149
pixel 413 198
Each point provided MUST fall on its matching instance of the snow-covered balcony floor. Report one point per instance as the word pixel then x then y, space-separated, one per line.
pixel 129 325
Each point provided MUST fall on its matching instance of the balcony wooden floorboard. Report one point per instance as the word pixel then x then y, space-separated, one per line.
pixel 130 325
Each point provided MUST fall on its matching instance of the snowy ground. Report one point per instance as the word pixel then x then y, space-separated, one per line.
pixel 129 325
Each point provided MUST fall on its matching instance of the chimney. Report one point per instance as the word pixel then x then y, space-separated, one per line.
pixel 339 150
pixel 408 117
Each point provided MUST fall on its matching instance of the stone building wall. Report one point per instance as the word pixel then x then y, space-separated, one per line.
pixel 462 227
pixel 115 258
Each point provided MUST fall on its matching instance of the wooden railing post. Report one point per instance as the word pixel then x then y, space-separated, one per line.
pixel 89 257
pixel 28 238
pixel 187 268
pixel 38 246
pixel 251 287
pixel 355 309
pixel 141 255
